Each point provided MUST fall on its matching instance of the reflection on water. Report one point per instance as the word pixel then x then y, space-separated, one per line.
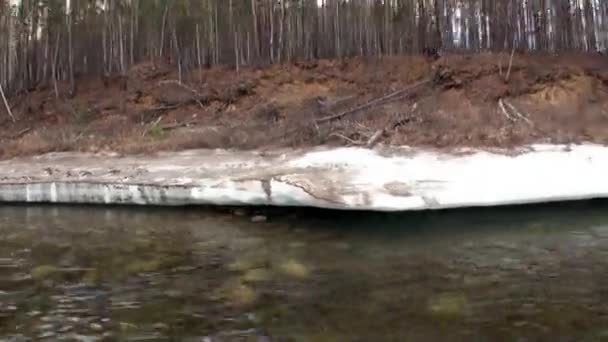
pixel 114 274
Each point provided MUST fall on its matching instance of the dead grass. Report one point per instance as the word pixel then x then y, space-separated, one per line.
pixel 566 97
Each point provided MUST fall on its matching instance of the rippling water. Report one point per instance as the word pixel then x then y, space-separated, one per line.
pixel 121 274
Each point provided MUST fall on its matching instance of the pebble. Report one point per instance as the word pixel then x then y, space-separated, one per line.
pixel 160 326
pixel 259 219
pixel 46 334
pixel 257 275
pixel 96 326
pixel 297 244
pixel 343 246
pixel 66 328
pixel 46 327
pixel 295 269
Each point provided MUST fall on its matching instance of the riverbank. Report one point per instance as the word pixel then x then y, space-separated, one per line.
pixel 380 179
pixel 478 101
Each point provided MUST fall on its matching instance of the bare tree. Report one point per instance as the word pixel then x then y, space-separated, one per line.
pixel 53 41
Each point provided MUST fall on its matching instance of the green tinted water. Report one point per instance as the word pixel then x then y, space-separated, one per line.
pixel 120 274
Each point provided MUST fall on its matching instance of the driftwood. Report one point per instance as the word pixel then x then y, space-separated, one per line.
pixel 376 102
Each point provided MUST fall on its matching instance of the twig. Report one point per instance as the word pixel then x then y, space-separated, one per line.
pixel 8 108
pixel 510 64
pixel 372 103
pixel 192 90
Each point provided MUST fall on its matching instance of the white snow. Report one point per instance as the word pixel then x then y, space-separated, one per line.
pixel 341 178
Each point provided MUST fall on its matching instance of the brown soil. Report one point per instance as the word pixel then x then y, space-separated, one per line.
pixel 464 100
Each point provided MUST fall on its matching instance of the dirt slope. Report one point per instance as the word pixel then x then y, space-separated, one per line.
pixel 457 100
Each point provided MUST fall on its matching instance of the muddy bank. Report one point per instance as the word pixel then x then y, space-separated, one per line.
pixel 483 100
pixel 384 179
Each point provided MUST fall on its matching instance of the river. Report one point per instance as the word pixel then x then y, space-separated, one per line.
pixel 189 274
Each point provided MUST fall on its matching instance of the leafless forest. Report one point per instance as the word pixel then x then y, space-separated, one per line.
pixel 47 40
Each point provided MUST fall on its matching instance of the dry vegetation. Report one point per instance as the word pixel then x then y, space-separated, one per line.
pixel 485 100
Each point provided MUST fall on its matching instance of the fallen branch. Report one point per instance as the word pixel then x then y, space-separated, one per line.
pixel 8 108
pixel 374 139
pixel 393 124
pixel 22 133
pixel 190 89
pixel 153 124
pixel 177 125
pixel 16 135
pixel 372 103
pixel 501 105
pixel 326 103
pixel 515 114
pixel 354 142
pixel 162 108
pixel 518 113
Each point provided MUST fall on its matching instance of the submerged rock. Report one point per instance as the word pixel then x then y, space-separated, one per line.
pixel 257 275
pixel 96 326
pixel 240 212
pixel 297 244
pixel 448 304
pixel 241 294
pixel 295 268
pixel 342 246
pixel 43 272
pixel 160 326
pixel 143 266
pixel 248 262
pixel 259 219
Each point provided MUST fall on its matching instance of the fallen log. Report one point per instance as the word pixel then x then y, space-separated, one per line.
pixel 376 102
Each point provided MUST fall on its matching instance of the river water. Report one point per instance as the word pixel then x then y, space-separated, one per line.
pixel 152 274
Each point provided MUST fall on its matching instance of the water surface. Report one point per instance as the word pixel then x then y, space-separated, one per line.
pixel 151 274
